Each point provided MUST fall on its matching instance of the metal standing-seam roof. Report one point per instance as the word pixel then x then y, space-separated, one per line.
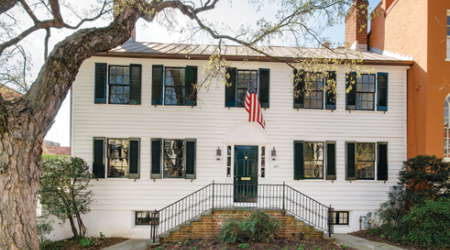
pixel 233 52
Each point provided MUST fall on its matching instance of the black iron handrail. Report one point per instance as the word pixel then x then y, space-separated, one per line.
pixel 254 196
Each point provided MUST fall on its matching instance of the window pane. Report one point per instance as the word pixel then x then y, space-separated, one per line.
pixel 174 83
pixel 314 160
pixel 365 156
pixel 173 158
pixel 243 80
pixel 117 158
pixel 119 81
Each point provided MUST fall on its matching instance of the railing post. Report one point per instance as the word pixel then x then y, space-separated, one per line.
pixel 212 207
pixel 153 226
pixel 284 197
pixel 330 221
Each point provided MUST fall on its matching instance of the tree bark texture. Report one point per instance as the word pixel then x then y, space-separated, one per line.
pixel 25 122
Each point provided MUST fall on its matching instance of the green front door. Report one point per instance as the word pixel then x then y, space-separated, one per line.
pixel 245 173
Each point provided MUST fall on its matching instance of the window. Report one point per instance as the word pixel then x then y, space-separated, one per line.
pixel 311 90
pixel 124 83
pixel 339 217
pixel 228 161
pixel 144 218
pixel 448 34
pixel 309 160
pixel 313 160
pixel 122 158
pixel 360 161
pixel 365 161
pixel 174 85
pixel 173 158
pixel 119 84
pixel 237 85
pixel 446 128
pixel 263 162
pixel 361 92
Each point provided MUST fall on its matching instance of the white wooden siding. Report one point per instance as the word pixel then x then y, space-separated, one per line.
pixel 209 122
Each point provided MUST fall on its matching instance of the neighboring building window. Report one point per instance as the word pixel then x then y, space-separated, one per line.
pixel 313 160
pixel 339 217
pixel 144 218
pixel 175 85
pixel 237 86
pixel 448 34
pixel 361 92
pixel 365 161
pixel 173 158
pixel 446 128
pixel 309 90
pixel 314 83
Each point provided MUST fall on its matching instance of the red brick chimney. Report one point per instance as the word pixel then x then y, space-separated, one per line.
pixel 116 12
pixel 356 25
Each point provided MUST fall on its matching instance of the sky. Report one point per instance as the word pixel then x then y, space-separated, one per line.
pixel 230 16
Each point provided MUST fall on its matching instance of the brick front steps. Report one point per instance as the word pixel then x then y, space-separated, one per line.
pixel 209 224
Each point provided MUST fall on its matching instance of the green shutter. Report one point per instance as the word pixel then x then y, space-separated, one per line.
pixel 100 82
pixel 191 85
pixel 330 160
pixel 382 102
pixel 230 89
pixel 157 84
pixel 133 158
pixel 299 160
pixel 135 83
pixel 299 86
pixel 156 152
pixel 382 161
pixel 190 153
pixel 350 95
pixel 350 160
pixel 330 97
pixel 264 87
pixel 98 159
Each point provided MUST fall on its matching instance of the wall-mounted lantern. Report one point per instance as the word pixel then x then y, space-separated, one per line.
pixel 274 154
pixel 218 153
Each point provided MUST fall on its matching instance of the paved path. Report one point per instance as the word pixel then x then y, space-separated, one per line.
pixel 362 244
pixel 129 245
pixel 344 239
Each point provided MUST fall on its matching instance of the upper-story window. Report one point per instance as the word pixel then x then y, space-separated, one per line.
pixel 237 86
pixel 360 91
pixel 119 84
pixel 446 128
pixel 448 34
pixel 174 85
pixel 313 90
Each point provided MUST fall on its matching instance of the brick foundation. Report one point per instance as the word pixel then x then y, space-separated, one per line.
pixel 210 225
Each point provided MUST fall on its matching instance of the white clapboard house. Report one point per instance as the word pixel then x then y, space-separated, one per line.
pixel 151 142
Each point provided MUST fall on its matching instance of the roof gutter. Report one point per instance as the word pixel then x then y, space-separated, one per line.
pixel 240 58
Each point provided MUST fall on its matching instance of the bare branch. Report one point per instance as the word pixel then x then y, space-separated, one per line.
pixel 47 37
pixel 56 12
pixel 29 11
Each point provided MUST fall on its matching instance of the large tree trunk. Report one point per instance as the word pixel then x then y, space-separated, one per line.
pixel 23 125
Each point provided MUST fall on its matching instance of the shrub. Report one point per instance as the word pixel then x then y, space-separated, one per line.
pixel 258 226
pixel 44 227
pixel 63 189
pixel 424 178
pixel 428 225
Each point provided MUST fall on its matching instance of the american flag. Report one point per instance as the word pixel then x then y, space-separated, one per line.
pixel 252 105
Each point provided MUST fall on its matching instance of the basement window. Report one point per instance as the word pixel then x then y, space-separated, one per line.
pixel 340 217
pixel 144 218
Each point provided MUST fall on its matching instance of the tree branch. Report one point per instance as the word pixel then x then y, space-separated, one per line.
pixel 56 12
pixel 47 37
pixel 29 11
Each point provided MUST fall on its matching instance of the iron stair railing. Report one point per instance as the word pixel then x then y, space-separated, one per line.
pixel 249 196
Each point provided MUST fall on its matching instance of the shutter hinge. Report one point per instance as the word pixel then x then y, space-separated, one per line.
pixel 384 181
pixel 135 180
